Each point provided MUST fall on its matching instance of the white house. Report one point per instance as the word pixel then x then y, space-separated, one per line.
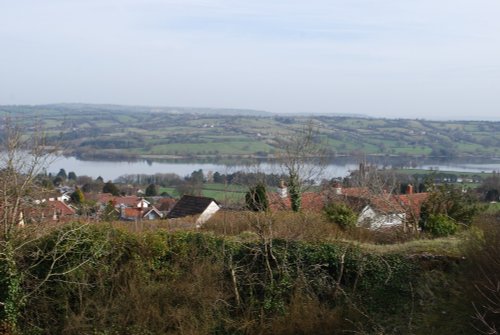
pixel 374 218
pixel 202 207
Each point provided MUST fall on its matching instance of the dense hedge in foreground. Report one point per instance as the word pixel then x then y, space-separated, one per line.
pixel 118 282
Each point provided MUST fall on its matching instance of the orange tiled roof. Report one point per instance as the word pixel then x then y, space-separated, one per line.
pixel 311 201
pixel 61 208
pixel 136 212
pixel 390 203
pixel 128 200
pixel 413 202
pixel 361 192
pixel 165 204
pixel 132 212
pixel 385 203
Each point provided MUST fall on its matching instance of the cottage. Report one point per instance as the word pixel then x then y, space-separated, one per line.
pixel 103 199
pixel 385 210
pixel 201 207
pixel 138 214
pixel 52 210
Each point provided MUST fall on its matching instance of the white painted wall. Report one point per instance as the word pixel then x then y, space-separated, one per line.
pixel 373 220
pixel 207 214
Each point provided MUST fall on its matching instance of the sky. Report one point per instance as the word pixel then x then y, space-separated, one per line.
pixel 433 59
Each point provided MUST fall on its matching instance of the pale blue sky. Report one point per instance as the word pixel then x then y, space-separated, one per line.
pixel 391 58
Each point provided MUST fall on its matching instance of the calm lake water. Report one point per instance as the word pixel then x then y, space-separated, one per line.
pixel 337 167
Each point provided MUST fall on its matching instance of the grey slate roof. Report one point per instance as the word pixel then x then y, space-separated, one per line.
pixel 190 205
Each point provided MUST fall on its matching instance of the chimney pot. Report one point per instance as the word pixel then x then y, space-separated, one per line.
pixel 409 189
pixel 282 190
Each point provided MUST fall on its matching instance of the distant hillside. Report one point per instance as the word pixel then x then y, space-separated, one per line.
pixel 125 132
pixel 78 107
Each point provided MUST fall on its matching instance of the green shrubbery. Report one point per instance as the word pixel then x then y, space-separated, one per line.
pixel 446 209
pixel 200 283
pixel 158 283
pixel 341 214
pixel 440 225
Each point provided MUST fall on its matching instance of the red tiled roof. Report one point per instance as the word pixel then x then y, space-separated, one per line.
pixel 361 192
pixel 357 196
pixel 165 204
pixel 311 201
pixel 132 212
pixel 389 203
pixel 104 198
pixel 61 208
pixel 128 201
pixel 49 211
pixel 413 202
pixel 386 203
pixel 135 212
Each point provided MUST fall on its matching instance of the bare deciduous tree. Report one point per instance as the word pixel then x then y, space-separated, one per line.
pixel 23 157
pixel 303 160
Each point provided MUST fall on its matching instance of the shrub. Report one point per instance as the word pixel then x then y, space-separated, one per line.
pixel 341 214
pixel 451 202
pixel 440 225
pixel 151 190
pixel 484 273
pixel 256 198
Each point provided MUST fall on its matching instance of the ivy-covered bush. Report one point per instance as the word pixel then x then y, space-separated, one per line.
pixel 439 225
pixel 190 282
pixel 340 214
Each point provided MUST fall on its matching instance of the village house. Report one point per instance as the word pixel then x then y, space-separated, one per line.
pixel 102 199
pixel 129 208
pixel 375 211
pixel 51 210
pixel 385 210
pixel 139 214
pixel 200 209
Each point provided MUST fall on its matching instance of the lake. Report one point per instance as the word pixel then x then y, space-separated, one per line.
pixel 337 167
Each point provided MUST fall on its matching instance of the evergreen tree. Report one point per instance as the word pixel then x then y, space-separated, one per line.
pixel 71 176
pixel 151 190
pixel 109 187
pixel 448 202
pixel 77 197
pixel 57 181
pixel 256 198
pixel 340 214
pixel 62 174
pixel 109 213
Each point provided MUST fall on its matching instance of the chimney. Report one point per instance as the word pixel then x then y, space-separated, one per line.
pixel 362 171
pixel 337 189
pixel 282 190
pixel 409 189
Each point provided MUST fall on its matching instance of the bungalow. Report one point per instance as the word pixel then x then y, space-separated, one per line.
pixel 383 210
pixel 280 200
pixel 52 210
pixel 103 199
pixel 131 202
pixel 65 197
pixel 192 206
pixel 165 205
pixel 138 214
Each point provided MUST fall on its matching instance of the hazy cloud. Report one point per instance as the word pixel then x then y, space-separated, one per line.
pixel 382 58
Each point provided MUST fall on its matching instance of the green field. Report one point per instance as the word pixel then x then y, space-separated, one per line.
pixel 103 130
pixel 225 194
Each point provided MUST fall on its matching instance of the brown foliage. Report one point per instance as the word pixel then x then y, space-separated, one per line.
pixel 483 255
pixel 305 226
